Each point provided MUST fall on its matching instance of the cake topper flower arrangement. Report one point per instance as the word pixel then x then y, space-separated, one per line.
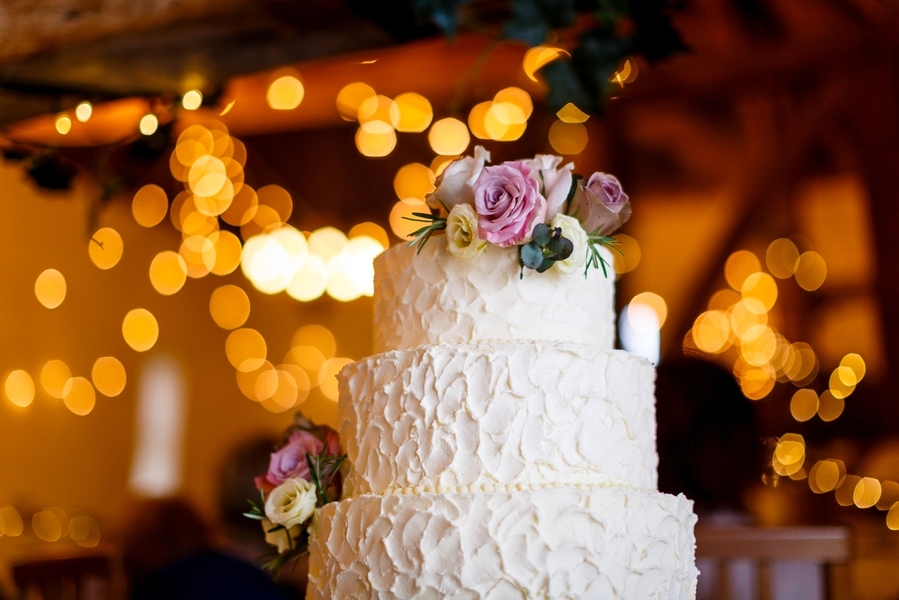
pixel 303 475
pixel 556 218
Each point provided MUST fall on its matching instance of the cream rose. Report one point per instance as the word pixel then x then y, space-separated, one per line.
pixel 291 503
pixel 573 232
pixel 462 232
pixel 281 538
pixel 454 186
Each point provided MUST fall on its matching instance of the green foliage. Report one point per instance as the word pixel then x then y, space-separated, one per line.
pixel 421 236
pixel 595 259
pixel 546 247
pixel 618 29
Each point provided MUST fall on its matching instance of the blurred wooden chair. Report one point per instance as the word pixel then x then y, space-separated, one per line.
pixel 72 578
pixel 767 547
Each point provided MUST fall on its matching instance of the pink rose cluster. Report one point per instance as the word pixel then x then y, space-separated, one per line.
pixel 290 461
pixel 511 198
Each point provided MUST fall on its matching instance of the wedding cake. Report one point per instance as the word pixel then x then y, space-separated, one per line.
pixel 499 446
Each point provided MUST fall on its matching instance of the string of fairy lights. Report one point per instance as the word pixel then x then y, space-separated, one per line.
pixel 736 329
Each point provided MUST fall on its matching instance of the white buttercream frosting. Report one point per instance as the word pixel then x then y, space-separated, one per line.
pixel 497 415
pixel 436 298
pixel 556 543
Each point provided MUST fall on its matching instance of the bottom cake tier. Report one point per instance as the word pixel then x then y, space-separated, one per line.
pixel 546 543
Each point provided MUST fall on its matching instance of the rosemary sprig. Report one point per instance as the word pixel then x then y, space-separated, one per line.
pixel 422 235
pixel 594 256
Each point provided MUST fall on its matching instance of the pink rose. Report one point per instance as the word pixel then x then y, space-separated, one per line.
pixel 556 181
pixel 290 461
pixel 508 201
pixel 601 205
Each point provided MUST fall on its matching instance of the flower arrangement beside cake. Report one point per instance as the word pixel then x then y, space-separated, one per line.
pixel 302 477
pixel 557 219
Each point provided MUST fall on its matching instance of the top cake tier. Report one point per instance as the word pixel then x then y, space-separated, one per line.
pixel 436 298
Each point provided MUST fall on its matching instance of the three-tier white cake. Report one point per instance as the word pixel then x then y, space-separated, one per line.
pixel 499 446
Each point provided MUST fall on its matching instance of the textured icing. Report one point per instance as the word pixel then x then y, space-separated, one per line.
pixel 559 543
pixel 498 415
pixel 435 298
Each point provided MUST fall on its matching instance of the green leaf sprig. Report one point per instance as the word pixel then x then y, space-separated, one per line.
pixel 595 259
pixel 434 223
pixel 545 248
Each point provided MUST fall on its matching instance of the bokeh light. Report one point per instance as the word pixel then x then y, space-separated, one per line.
pixel 538 57
pixel 379 109
pixel 192 100
pixel 372 230
pixel 148 124
pixel 246 349
pixel 46 526
pixel 54 376
pixel 723 299
pixel 647 312
pixel 889 495
pixel 63 124
pixel 572 114
pixel 84 531
pixel 105 248
pixel 837 385
pixel 893 517
pixel 476 120
pixel 826 475
pixel 10 522
pixel 781 258
pixel 629 257
pixel 374 140
pixel 229 306
pixel 108 376
pixel 867 492
pixel 309 282
pixel 400 216
pixel 198 253
pixel 568 138
pixel 149 205
pixel 804 404
pixel 711 331
pixel 829 406
pixel 740 265
pixel 789 454
pixel 756 383
pixel 327 376
pixel 168 272
pixel 856 364
pixel 228 251
pixel 415 112
pixel 277 198
pixel 83 111
pixel 19 388
pixel 246 380
pixel 79 396
pixel 315 336
pixel 350 97
pixel 811 271
pixel 285 93
pixel 761 287
pixel 140 329
pixel 50 288
pixel 413 181
pixel 449 137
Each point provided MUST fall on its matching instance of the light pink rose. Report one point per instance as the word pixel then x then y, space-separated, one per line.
pixel 509 203
pixel 290 461
pixel 555 181
pixel 600 205
pixel 454 186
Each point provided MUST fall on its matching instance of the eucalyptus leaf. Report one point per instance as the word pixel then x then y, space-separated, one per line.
pixel 560 248
pixel 546 264
pixel 542 234
pixel 531 255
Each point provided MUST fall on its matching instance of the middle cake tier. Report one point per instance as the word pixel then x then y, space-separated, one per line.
pixel 497 416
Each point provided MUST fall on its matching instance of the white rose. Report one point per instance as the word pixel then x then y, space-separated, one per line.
pixel 462 232
pixel 573 232
pixel 555 181
pixel 291 503
pixel 454 186
pixel 280 537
